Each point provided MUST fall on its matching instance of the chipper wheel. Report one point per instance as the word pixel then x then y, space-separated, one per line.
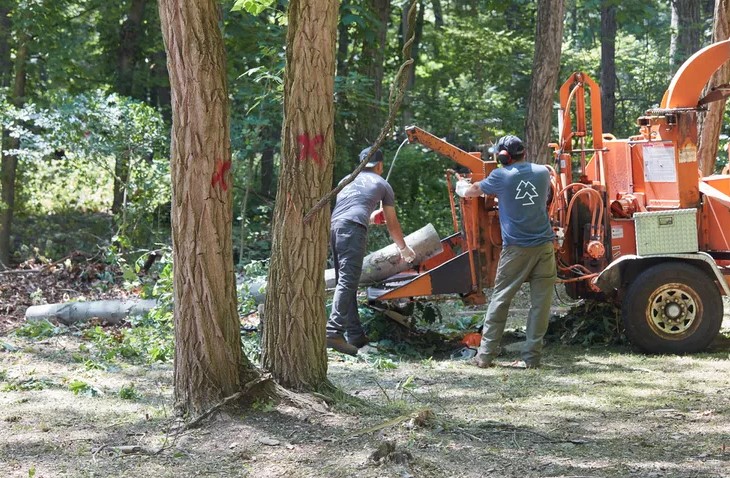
pixel 672 308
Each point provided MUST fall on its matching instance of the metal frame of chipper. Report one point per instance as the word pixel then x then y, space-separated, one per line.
pixel 635 222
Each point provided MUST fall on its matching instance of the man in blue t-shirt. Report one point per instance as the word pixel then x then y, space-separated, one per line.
pixel 527 249
pixel 355 205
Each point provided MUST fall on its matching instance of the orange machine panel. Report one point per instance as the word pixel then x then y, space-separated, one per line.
pixel 619 177
pixel 623 238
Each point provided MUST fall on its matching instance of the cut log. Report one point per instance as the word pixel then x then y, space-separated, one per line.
pixel 387 261
pixel 112 311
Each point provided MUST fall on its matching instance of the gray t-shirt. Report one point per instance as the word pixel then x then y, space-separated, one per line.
pixel 361 197
pixel 521 189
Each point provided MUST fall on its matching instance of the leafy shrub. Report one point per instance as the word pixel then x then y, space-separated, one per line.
pixel 38 329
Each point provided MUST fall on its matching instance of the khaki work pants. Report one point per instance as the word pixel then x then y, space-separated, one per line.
pixel 535 265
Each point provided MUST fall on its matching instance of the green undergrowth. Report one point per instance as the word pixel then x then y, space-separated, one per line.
pixel 588 323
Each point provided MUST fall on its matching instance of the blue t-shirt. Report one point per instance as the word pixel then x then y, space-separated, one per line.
pixel 361 197
pixel 521 189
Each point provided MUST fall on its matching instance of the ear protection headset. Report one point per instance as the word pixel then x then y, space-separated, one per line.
pixel 504 158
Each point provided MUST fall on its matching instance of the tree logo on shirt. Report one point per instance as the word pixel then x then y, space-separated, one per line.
pixel 527 192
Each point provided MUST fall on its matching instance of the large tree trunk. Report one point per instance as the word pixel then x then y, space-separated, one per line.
pixel 126 56
pixel 711 124
pixel 689 30
pixel 545 70
pixel 608 64
pixel 209 364
pixel 9 164
pixel 294 326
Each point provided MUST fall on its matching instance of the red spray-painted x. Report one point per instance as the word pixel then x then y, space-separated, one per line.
pixel 309 147
pixel 219 175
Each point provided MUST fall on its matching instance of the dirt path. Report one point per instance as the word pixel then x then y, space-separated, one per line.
pixel 596 412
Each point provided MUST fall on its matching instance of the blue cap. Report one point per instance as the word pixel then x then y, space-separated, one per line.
pixel 510 143
pixel 376 158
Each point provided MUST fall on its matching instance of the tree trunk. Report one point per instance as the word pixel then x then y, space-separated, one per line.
pixel 5 61
pixel 418 33
pixel 267 171
pixel 7 183
pixel 438 15
pixel 373 58
pixel 294 328
pixel 608 64
pixel 673 29
pixel 711 122
pixel 689 30
pixel 343 44
pixel 545 70
pixel 162 86
pixel 9 165
pixel 126 56
pixel 209 364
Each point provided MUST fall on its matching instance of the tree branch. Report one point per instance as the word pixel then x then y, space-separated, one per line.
pixel 397 91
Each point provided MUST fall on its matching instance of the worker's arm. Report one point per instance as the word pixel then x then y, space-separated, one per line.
pixel 466 189
pixel 396 233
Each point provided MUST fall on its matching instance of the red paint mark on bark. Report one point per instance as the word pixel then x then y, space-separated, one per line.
pixel 309 147
pixel 219 175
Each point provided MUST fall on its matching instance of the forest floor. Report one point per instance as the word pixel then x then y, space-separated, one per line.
pixel 596 411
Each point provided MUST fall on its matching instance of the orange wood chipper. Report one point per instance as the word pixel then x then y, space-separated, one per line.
pixel 635 221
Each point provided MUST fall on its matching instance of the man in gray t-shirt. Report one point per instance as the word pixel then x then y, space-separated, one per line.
pixel 356 203
pixel 527 249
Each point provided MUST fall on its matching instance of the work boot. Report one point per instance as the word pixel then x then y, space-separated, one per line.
pixel 339 344
pixel 359 341
pixel 481 362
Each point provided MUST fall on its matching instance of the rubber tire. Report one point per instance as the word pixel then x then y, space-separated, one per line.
pixel 706 324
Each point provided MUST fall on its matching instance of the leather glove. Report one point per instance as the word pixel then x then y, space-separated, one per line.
pixel 462 185
pixel 408 254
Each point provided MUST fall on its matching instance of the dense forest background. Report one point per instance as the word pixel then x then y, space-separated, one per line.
pixel 85 104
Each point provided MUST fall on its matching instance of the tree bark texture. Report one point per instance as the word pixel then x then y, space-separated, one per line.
pixel 9 163
pixel 209 364
pixel 711 122
pixel 294 327
pixel 126 56
pixel 689 30
pixel 545 70
pixel 608 64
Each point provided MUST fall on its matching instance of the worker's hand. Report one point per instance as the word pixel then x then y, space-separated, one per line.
pixel 408 254
pixel 377 217
pixel 462 186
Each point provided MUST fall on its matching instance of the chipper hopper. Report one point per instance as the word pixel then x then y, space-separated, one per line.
pixel 635 221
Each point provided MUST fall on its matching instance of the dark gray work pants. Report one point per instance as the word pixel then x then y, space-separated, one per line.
pixel 349 242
